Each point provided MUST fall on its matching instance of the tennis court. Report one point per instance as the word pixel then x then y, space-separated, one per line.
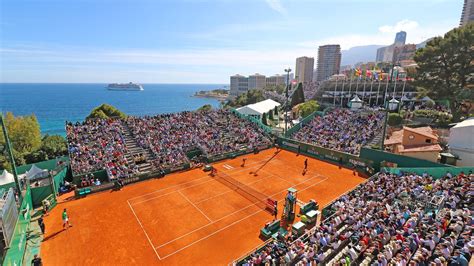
pixel 190 217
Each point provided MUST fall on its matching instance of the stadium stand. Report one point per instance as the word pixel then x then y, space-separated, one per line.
pixel 162 141
pixel 389 220
pixel 342 130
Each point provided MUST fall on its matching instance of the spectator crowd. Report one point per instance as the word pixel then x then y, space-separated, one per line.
pixel 389 220
pixel 99 143
pixel 342 130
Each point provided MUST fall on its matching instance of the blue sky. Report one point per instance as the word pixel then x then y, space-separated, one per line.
pixel 196 41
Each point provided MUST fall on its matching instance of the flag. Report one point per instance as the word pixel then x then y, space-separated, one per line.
pixel 368 74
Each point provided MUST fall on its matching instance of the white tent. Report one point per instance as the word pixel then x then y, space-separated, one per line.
pixel 258 109
pixel 461 142
pixel 6 178
pixel 36 172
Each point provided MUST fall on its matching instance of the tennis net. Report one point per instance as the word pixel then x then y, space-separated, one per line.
pixel 259 199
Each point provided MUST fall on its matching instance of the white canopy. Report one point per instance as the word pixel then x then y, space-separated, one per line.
pixel 258 108
pixel 461 141
pixel 6 178
pixel 35 172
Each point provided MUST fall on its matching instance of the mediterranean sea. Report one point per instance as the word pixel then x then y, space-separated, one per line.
pixel 53 104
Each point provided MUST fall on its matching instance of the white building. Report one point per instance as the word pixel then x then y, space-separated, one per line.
pixel 238 85
pixel 257 81
pixel 461 142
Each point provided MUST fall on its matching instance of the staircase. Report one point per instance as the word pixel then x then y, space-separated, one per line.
pixel 134 149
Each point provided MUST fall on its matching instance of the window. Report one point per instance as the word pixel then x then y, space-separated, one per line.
pixel 428 141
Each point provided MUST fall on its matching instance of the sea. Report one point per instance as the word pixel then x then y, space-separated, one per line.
pixel 54 104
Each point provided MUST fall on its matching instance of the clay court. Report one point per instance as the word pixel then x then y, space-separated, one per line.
pixel 187 218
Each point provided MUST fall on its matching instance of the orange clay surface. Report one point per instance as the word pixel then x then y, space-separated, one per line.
pixel 186 218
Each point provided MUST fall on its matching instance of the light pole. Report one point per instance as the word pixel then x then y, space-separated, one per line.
pixel 8 146
pixel 392 106
pixel 288 70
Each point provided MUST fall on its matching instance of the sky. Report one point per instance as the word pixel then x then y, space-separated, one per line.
pixel 196 41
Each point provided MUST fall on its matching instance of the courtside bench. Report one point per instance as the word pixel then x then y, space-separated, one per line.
pixel 268 230
pixel 310 206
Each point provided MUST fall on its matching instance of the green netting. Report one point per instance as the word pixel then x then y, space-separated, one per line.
pixel 16 250
pixel 436 172
pixel 378 157
pixel 48 165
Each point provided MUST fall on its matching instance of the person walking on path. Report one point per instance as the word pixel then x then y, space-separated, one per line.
pixel 65 217
pixel 41 224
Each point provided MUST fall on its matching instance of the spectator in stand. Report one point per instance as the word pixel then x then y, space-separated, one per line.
pixel 99 144
pixel 342 130
pixel 390 220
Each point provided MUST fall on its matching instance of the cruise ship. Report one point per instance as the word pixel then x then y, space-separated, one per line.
pixel 125 87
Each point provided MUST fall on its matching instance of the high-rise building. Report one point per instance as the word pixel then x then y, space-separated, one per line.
pixel 304 69
pixel 275 80
pixel 400 38
pixel 386 54
pixel 329 61
pixel 238 85
pixel 467 12
pixel 405 52
pixel 257 81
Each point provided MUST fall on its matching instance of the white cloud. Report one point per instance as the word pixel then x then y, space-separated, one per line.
pixel 405 25
pixel 385 35
pixel 277 6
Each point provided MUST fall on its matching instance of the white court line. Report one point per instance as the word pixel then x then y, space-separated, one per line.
pixel 195 206
pixel 195 185
pixel 226 166
pixel 229 225
pixel 244 208
pixel 147 237
pixel 180 184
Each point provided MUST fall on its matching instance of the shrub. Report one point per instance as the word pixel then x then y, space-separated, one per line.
pixel 394 119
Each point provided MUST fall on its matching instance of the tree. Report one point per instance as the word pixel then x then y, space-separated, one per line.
pixel 106 111
pixel 205 108
pixel 25 137
pixel 54 146
pixel 445 67
pixel 298 95
pixel 308 108
pixel 264 119
pixel 251 96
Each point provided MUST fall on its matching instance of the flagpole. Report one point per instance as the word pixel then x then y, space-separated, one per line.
pixel 363 93
pixel 385 95
pixel 350 87
pixel 371 84
pixel 335 88
pixel 403 89
pixel 357 85
pixel 395 87
pixel 378 93
pixel 342 91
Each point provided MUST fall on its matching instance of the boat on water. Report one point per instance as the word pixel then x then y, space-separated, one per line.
pixel 125 87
